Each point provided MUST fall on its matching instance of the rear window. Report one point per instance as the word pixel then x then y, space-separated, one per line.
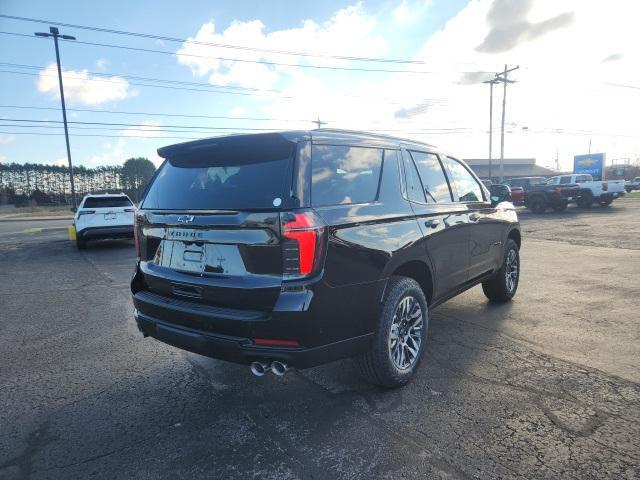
pixel 107 202
pixel 236 174
pixel 344 174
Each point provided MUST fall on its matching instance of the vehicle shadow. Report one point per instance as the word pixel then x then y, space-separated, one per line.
pixel 479 402
pixel 110 244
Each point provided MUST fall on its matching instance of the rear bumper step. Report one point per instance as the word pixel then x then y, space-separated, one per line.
pixel 243 350
pixel 106 232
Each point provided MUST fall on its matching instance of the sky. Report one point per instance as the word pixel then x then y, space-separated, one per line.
pixel 281 64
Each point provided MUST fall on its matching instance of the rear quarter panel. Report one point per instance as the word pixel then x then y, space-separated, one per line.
pixel 366 242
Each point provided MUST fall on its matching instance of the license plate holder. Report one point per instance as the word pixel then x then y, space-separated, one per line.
pixel 110 216
pixel 184 250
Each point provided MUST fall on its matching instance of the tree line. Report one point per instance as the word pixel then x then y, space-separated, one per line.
pixel 35 183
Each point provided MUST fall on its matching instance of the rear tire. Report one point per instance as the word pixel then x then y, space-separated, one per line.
pixel 606 203
pixel 503 286
pixel 537 204
pixel 395 354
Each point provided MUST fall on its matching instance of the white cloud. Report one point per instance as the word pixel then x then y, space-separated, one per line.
pixel 82 88
pixel 101 64
pixel 350 31
pixel 147 129
pixel 112 154
pixel 6 138
pixel 559 94
pixel 238 112
pixel 409 11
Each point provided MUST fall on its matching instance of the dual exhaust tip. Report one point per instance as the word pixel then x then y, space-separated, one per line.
pixel 277 367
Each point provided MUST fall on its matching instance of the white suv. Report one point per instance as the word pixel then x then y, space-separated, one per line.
pixel 107 215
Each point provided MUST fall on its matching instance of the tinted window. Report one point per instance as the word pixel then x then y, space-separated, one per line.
pixel 468 189
pixel 415 193
pixel 433 179
pixel 107 202
pixel 343 174
pixel 565 180
pixel 235 175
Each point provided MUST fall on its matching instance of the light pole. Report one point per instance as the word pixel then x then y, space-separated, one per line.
pixel 53 32
pixel 502 77
pixel 491 83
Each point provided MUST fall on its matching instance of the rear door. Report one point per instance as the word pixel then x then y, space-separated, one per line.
pixel 209 225
pixel 486 228
pixel 443 221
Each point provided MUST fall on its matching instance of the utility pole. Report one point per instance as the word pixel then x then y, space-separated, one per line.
pixel 319 123
pixel 54 32
pixel 503 77
pixel 491 83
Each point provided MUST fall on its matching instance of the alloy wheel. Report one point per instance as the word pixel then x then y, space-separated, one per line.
pixel 405 337
pixel 511 270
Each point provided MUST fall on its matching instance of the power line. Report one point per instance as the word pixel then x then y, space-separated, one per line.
pixel 218 45
pixel 171 87
pixel 242 60
pixel 146 79
pixel 210 88
pixel 159 114
pixel 200 127
pixel 98 135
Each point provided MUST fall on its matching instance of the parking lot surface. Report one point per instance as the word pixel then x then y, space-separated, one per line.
pixel 544 387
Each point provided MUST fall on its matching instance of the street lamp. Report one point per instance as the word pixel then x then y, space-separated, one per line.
pixel 55 33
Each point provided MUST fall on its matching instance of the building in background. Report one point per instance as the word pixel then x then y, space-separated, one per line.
pixel 513 167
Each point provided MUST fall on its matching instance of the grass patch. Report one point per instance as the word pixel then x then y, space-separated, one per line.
pixel 635 194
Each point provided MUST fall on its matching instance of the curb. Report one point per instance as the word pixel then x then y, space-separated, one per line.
pixel 34 219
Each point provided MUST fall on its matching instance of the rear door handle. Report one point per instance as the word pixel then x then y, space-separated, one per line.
pixel 474 217
pixel 432 223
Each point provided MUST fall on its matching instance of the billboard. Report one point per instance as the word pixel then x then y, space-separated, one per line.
pixel 592 163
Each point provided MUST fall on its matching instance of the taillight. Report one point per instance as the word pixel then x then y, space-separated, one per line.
pixel 303 237
pixel 136 235
pixel 605 186
pixel 86 212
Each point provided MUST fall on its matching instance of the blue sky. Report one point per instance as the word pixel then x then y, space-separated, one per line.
pixel 459 44
pixel 176 19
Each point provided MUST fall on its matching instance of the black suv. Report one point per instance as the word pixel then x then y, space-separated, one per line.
pixel 299 248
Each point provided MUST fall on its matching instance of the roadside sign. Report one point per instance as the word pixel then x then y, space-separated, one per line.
pixel 592 164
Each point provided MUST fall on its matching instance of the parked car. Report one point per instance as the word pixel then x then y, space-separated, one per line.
pixel 602 192
pixel 632 185
pixel 300 248
pixel 517 195
pixel 538 196
pixel 103 216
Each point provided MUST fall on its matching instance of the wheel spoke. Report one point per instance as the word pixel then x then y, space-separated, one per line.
pixel 405 336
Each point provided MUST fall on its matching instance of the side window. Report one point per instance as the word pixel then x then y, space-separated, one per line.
pixel 415 193
pixel 344 174
pixel 468 188
pixel 434 182
pixel 553 181
pixel 566 180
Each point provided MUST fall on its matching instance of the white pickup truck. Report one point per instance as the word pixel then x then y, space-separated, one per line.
pixel 603 192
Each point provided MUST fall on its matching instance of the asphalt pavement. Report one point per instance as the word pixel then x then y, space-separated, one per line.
pixel 544 387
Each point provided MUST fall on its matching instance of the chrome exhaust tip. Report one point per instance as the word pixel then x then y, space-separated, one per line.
pixel 279 368
pixel 260 368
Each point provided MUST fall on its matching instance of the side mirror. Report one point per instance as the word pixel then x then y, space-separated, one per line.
pixel 73 209
pixel 500 193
